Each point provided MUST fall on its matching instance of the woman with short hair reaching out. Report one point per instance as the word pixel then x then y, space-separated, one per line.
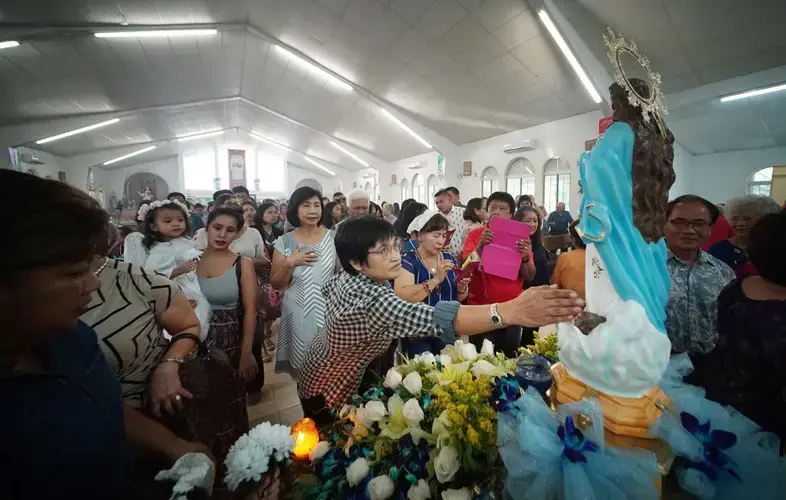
pixel 364 315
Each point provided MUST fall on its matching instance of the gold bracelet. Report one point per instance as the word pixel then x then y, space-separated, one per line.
pixel 464 290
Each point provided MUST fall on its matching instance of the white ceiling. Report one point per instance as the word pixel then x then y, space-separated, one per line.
pixel 465 69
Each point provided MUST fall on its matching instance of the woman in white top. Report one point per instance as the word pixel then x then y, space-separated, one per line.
pixel 303 261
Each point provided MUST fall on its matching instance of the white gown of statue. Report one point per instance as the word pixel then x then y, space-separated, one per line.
pixel 164 257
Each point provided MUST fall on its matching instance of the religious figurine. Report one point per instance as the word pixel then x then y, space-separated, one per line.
pixel 146 194
pixel 621 349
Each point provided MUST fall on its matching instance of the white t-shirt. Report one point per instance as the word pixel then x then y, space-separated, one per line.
pixel 250 244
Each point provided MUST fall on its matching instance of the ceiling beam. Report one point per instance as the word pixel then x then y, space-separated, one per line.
pixel 595 69
pixel 30 32
pixel 364 154
pixel 441 143
pixel 114 113
pixel 715 90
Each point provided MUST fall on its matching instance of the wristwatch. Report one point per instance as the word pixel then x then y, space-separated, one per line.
pixel 496 319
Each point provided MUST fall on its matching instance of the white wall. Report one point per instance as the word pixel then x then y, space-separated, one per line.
pixel 683 162
pixel 52 164
pixel 168 169
pixel 563 138
pixel 295 174
pixel 721 176
pixel 402 171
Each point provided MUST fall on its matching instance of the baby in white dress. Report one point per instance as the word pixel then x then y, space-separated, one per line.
pixel 163 246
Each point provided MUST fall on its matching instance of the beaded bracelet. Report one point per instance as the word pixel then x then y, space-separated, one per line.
pixel 174 359
pixel 426 287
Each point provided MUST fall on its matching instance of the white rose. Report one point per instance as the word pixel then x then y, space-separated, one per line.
pixel 462 494
pixel 426 358
pixel 419 492
pixel 380 488
pixel 357 472
pixel 413 383
pixel 362 417
pixel 487 348
pixel 446 464
pixel 392 379
pixel 318 451
pixel 445 360
pixel 468 352
pixel 483 367
pixel 412 412
pixel 375 410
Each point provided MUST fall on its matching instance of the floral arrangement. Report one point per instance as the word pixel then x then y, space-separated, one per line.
pixel 428 431
pixel 256 452
pixel 547 346
pixel 144 209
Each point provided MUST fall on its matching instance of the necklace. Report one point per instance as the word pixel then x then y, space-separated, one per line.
pixel 433 269
pixel 103 266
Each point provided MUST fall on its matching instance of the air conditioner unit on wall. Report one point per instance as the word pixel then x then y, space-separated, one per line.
pixel 527 145
pixel 417 165
pixel 28 158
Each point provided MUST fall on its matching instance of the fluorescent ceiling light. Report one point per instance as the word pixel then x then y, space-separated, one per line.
pixel 155 33
pixel 270 141
pixel 343 150
pixel 9 44
pixel 78 131
pixel 199 136
pixel 574 63
pixel 754 93
pixel 306 64
pixel 319 166
pixel 406 129
pixel 129 155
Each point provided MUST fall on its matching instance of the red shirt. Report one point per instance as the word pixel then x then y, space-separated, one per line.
pixel 486 288
pixel 721 231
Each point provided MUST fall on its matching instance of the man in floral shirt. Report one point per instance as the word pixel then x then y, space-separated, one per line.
pixel 455 216
pixel 697 277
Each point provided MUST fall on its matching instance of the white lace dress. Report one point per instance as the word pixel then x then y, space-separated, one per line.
pixel 164 257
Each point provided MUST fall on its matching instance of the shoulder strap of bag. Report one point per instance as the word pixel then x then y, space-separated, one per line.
pixel 239 273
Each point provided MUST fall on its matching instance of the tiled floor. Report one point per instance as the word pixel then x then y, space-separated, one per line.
pixel 280 403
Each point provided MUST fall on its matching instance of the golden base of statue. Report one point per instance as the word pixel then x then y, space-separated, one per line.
pixel 624 417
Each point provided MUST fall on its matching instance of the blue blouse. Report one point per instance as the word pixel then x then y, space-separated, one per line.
pixel 447 290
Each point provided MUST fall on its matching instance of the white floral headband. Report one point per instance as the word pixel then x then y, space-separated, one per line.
pixel 144 209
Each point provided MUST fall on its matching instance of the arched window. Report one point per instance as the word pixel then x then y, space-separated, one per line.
pixel 761 182
pixel 419 189
pixel 404 189
pixel 370 190
pixel 490 179
pixel 431 184
pixel 520 177
pixel 556 183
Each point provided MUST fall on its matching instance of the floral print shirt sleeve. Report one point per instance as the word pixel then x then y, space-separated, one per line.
pixel 692 310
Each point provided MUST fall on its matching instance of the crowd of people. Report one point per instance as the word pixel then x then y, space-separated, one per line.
pixel 125 348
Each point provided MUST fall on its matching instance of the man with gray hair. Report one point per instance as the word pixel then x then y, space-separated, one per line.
pixel 358 201
pixel 743 212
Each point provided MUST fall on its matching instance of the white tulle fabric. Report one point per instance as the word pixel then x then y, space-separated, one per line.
pixel 625 356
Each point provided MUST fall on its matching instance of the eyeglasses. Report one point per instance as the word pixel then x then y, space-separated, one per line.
pixel 697 225
pixel 385 252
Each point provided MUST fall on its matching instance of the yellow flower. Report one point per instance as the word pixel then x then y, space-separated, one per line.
pixel 473 436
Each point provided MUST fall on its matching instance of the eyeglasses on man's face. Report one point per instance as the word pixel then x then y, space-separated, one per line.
pixel 385 252
pixel 684 224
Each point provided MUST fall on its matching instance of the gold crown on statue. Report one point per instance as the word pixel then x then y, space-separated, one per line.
pixel 626 59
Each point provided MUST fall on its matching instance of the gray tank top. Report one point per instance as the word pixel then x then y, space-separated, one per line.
pixel 222 292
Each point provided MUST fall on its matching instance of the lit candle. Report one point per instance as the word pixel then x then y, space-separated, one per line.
pixel 306 437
